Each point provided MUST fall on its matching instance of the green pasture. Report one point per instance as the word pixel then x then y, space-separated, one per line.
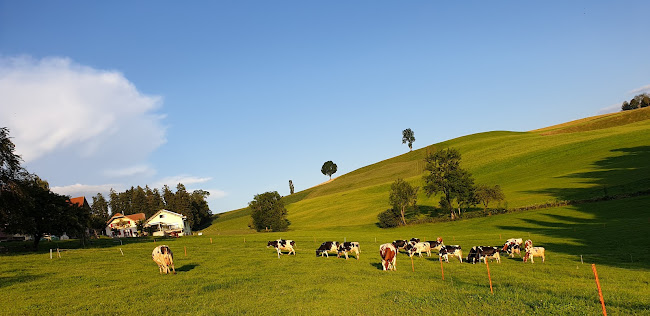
pixel 237 274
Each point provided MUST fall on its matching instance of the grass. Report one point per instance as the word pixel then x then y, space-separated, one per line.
pixel 230 276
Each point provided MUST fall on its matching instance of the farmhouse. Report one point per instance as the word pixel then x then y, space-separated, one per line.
pixel 168 223
pixel 123 225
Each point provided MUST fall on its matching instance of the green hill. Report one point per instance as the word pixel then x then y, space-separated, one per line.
pixel 590 158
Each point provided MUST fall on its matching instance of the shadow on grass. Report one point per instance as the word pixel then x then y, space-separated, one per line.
pixel 377 265
pixel 615 232
pixel 11 280
pixel 26 247
pixel 187 267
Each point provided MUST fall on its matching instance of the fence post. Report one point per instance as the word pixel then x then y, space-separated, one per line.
pixel 442 270
pixel 600 292
pixel 489 277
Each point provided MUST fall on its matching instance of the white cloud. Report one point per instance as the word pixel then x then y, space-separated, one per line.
pixel 184 179
pixel 85 190
pixel 138 170
pixel 76 124
pixel 643 89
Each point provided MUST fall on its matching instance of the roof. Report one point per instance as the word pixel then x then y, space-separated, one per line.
pixel 133 217
pixel 80 201
pixel 166 211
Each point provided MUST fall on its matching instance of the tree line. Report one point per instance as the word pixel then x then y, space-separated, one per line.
pixel 149 201
pixel 639 101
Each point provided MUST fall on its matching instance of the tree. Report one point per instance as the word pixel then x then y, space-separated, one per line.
pixel 402 195
pixel 485 194
pixel 329 168
pixel 408 137
pixel 645 101
pixel 389 218
pixel 201 211
pixel 268 211
pixel 99 213
pixel 290 187
pixel 447 177
pixel 10 169
pixel 626 106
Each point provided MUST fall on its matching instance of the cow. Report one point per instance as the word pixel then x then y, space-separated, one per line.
pixel 282 244
pixel 388 254
pixel 450 250
pixel 164 257
pixel 328 246
pixel 436 245
pixel 348 246
pixel 414 240
pixel 531 252
pixel 400 244
pixel 478 253
pixel 418 248
pixel 509 246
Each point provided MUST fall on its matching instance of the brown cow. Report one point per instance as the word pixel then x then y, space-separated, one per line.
pixel 388 254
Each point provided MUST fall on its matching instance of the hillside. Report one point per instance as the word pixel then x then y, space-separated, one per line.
pixel 592 157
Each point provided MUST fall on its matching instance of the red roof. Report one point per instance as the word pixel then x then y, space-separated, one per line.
pixel 78 200
pixel 133 217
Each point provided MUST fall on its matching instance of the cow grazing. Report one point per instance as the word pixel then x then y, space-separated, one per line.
pixel 478 253
pixel 414 240
pixel 400 244
pixel 512 246
pixel 328 246
pixel 388 254
pixel 450 250
pixel 348 246
pixel 164 257
pixel 513 249
pixel 413 248
pixel 532 252
pixel 282 244
pixel 436 245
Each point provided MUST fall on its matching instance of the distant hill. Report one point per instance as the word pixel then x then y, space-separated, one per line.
pixel 582 159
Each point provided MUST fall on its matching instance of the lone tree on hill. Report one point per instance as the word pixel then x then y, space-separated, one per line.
pixel 447 177
pixel 408 137
pixel 290 187
pixel 403 195
pixel 268 211
pixel 328 169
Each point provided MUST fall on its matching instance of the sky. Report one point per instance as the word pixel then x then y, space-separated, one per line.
pixel 239 97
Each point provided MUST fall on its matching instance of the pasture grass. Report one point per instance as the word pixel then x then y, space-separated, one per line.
pixel 230 276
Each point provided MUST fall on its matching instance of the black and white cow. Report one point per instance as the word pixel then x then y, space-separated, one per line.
pixel 450 250
pixel 419 247
pixel 282 244
pixel 348 246
pixel 328 246
pixel 513 246
pixel 478 253
pixel 400 244
pixel 414 240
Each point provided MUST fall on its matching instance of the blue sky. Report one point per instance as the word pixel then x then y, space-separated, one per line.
pixel 238 97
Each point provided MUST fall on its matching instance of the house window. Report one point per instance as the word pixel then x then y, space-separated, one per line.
pixel 162 216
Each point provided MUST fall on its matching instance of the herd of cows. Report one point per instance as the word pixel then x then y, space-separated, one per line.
pixel 164 257
pixel 389 251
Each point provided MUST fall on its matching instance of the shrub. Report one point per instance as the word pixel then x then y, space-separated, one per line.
pixel 389 218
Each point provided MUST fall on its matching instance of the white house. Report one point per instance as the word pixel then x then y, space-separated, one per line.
pixel 123 225
pixel 168 223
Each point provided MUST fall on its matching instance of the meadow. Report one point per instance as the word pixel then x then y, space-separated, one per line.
pixel 229 269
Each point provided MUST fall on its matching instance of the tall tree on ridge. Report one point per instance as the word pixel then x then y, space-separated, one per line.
pixel 408 137
pixel 329 168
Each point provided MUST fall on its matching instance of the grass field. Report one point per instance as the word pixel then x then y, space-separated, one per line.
pixel 230 276
pixel 237 274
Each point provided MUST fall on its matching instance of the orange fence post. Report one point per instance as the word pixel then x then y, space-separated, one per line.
pixel 442 270
pixel 600 292
pixel 489 277
pixel 412 266
pixel 185 248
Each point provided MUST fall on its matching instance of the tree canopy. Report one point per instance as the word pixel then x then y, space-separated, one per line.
pixel 408 137
pixel 447 177
pixel 268 212
pixel 329 168
pixel 403 195
pixel 639 101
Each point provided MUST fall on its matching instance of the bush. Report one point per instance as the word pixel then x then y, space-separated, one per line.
pixel 389 218
pixel 268 212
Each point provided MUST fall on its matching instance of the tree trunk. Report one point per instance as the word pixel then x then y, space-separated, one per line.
pixel 37 239
pixel 403 218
